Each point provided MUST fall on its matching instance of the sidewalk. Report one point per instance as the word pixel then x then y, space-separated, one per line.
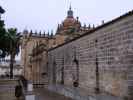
pixel 106 97
pixel 7 89
pixel 44 94
pixel 81 94
pixel 7 92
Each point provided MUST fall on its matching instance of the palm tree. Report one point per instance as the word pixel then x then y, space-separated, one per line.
pixel 9 42
pixel 13 44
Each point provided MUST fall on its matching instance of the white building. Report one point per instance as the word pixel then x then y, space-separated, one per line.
pixel 5 67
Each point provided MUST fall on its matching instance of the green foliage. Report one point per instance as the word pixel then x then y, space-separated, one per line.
pixel 3 45
pixel 13 40
pixel 1 10
pixel 9 41
pixel 13 46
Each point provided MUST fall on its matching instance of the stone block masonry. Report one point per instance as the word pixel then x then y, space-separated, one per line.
pixel 100 59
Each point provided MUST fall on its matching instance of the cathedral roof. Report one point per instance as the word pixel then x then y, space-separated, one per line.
pixel 130 13
pixel 70 21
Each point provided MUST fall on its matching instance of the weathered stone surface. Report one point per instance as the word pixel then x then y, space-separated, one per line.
pixel 109 47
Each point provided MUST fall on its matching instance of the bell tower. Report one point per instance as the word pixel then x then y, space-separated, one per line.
pixel 70 12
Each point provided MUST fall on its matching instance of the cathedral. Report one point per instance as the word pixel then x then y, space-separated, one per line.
pixel 35 46
pixel 82 61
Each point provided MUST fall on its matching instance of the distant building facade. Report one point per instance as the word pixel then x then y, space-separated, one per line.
pixel 32 55
pixel 5 68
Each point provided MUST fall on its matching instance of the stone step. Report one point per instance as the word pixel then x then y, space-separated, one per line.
pixel 3 82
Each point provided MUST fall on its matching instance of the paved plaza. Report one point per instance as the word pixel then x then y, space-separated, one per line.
pixel 7 89
pixel 7 92
pixel 44 94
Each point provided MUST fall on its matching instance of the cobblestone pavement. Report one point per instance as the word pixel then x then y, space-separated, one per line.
pixel 44 94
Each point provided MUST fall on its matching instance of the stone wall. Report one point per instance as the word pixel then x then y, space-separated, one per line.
pixel 106 50
pixel 34 66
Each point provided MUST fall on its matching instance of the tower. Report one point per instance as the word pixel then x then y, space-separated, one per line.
pixel 70 12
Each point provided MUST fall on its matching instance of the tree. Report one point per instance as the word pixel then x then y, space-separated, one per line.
pixel 3 46
pixel 13 46
pixel 1 10
pixel 9 45
pixel 9 42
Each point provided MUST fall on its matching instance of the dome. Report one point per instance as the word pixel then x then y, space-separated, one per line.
pixel 69 22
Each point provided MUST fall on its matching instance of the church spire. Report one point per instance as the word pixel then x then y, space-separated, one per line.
pixel 70 12
pixel 70 8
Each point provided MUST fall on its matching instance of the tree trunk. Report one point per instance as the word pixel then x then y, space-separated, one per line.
pixel 12 57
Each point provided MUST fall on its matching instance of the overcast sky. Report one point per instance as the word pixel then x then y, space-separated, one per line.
pixel 46 14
